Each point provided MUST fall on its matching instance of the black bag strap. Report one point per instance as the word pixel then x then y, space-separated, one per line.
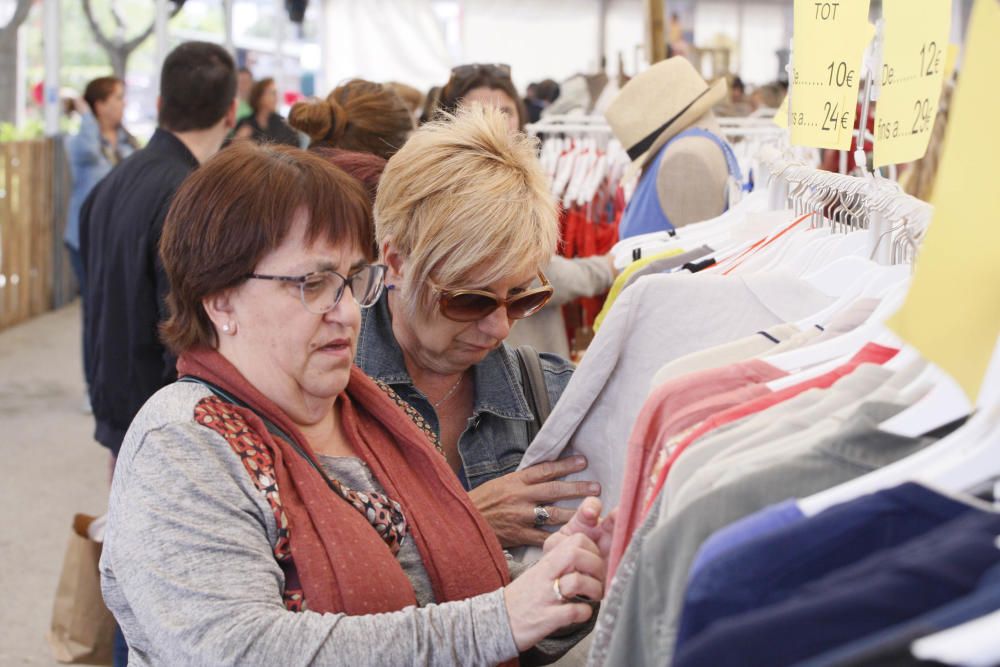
pixel 273 429
pixel 535 391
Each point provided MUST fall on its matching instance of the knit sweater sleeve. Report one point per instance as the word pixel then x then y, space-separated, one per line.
pixel 189 572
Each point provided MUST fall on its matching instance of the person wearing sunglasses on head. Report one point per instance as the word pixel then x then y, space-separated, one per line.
pixel 491 86
pixel 275 506
pixel 465 224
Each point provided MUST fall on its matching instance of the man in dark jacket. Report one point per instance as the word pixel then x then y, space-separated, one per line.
pixel 120 226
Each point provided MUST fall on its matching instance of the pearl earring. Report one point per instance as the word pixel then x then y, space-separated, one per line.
pixel 225 327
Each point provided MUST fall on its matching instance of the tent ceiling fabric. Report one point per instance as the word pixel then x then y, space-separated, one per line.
pixel 418 41
pixel 385 40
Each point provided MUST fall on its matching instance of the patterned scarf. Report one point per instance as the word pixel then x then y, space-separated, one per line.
pixel 343 564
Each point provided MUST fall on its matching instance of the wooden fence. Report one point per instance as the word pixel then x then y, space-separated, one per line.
pixel 34 272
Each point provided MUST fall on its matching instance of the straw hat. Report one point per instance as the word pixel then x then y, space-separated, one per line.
pixel 658 104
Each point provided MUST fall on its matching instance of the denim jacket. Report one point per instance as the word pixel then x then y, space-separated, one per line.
pixel 496 435
pixel 89 163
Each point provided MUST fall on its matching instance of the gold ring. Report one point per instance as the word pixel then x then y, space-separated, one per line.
pixel 559 593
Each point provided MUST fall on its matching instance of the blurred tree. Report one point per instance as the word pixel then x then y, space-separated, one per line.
pixel 117 46
pixel 8 61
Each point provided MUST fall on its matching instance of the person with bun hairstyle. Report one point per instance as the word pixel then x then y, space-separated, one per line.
pixel 359 116
pixel 356 128
pixel 265 124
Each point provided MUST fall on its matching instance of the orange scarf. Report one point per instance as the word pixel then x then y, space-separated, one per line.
pixel 342 562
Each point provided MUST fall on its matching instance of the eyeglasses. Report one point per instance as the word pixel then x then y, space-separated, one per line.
pixel 320 291
pixel 468 305
pixel 493 69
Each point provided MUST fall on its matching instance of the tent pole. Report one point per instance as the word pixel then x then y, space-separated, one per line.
pixel 656 45
pixel 51 29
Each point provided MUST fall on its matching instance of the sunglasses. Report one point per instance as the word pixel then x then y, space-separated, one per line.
pixel 467 71
pixel 468 305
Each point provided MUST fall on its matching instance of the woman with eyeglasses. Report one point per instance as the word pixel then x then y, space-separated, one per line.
pixel 275 506
pixel 491 86
pixel 465 224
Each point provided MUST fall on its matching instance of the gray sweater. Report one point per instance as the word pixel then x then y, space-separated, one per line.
pixel 189 573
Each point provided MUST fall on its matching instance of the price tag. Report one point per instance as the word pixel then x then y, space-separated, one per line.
pixel 781 115
pixel 829 42
pixel 952 313
pixel 915 58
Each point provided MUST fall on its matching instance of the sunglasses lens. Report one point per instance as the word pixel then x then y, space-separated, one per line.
pixel 527 305
pixel 468 307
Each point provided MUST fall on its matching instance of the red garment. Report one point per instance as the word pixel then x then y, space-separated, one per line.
pixel 342 562
pixel 672 407
pixel 586 232
pixel 869 354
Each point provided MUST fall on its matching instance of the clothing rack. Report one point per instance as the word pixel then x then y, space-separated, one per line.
pixel 896 221
pixel 570 124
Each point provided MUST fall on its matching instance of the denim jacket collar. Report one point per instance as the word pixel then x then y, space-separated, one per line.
pixel 498 389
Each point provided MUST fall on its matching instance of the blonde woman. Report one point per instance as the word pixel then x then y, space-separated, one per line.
pixel 465 224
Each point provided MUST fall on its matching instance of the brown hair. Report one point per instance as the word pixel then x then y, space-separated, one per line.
pixel 99 90
pixel 197 87
pixel 257 91
pixel 357 116
pixel 234 210
pixel 431 102
pixel 459 86
pixel 366 167
pixel 412 98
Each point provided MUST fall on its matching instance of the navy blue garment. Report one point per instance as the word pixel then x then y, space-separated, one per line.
pixel 875 648
pixel 771 568
pixel 121 222
pixel 765 522
pixel 890 587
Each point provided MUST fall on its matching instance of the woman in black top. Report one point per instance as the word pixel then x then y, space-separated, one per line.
pixel 265 124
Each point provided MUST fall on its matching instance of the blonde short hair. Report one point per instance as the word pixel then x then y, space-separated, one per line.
pixel 466 199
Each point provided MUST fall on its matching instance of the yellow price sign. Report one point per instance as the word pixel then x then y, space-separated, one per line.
pixel 915 58
pixel 781 115
pixel 828 46
pixel 952 313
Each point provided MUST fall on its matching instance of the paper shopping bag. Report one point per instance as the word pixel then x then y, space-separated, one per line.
pixel 82 630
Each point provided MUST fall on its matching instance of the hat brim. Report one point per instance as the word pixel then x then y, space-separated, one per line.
pixel 715 94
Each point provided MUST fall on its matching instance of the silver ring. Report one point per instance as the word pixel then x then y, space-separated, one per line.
pixel 559 593
pixel 542 515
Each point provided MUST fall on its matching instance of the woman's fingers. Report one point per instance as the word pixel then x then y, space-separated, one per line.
pixel 576 585
pixel 577 553
pixel 550 492
pixel 550 470
pixel 557 515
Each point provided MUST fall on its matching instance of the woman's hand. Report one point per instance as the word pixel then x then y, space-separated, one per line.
pixel 587 521
pixel 537 607
pixel 508 503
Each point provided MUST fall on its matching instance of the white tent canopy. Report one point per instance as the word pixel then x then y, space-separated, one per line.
pixel 418 41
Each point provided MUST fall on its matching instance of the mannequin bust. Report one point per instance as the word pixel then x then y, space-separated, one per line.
pixel 689 180
pixel 692 177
